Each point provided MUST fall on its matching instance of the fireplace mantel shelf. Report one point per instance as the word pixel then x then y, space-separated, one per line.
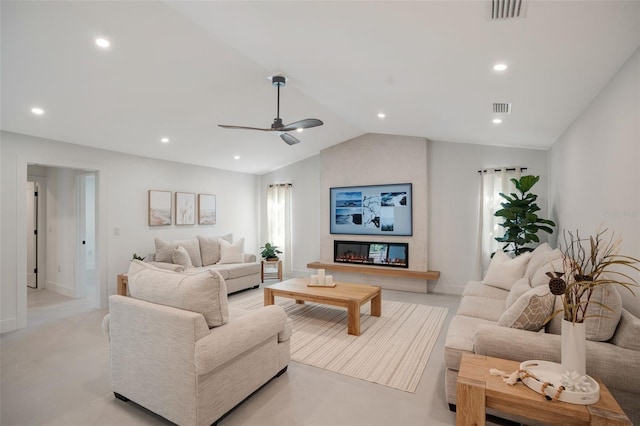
pixel 376 270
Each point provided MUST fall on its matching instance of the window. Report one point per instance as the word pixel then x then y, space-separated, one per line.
pixel 279 221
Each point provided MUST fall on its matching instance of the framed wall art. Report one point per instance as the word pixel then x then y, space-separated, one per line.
pixel 159 208
pixel 185 208
pixel 206 209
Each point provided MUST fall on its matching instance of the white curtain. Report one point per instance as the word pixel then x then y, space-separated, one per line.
pixel 492 183
pixel 279 222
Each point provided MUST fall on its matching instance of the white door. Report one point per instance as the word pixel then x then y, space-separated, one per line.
pixel 87 284
pixel 32 235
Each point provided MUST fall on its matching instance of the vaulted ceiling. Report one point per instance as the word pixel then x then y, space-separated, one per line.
pixel 178 69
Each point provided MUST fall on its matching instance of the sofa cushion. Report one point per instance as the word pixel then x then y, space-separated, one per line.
pixel 165 265
pixel 191 245
pixel 553 261
pixel 627 334
pixel 503 271
pixel 530 311
pixel 203 292
pixel 235 270
pixel 210 248
pixel 231 252
pixel 519 288
pixel 477 288
pixel 181 257
pixel 481 307
pixel 538 258
pixel 601 323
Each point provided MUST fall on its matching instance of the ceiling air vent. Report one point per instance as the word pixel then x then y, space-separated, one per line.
pixel 507 9
pixel 502 108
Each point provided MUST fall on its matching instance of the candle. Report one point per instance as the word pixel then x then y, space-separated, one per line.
pixel 328 280
pixel 320 276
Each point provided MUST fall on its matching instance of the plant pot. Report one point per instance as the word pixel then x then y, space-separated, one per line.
pixel 272 259
pixel 573 347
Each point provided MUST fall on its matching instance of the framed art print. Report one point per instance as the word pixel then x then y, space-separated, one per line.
pixel 206 209
pixel 185 208
pixel 159 208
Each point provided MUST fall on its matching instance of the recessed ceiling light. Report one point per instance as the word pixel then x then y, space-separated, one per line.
pixel 381 115
pixel 236 157
pixel 37 111
pixel 299 129
pixel 103 42
pixel 164 140
pixel 497 121
pixel 500 67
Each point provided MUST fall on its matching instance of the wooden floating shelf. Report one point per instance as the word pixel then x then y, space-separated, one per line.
pixel 376 270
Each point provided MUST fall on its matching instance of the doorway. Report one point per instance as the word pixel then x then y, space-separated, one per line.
pixel 32 235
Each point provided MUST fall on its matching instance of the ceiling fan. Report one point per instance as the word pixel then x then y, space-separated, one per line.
pixel 277 126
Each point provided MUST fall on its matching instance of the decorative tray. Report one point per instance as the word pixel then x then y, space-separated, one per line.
pixel 551 373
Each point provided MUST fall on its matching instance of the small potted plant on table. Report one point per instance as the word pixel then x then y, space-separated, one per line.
pixel 270 252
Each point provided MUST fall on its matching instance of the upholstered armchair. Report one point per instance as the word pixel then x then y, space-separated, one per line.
pixel 189 362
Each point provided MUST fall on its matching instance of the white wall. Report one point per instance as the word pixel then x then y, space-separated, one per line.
pixel 122 185
pixel 454 203
pixel 594 167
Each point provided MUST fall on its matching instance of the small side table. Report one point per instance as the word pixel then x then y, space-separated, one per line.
pixel 477 389
pixel 121 288
pixel 268 270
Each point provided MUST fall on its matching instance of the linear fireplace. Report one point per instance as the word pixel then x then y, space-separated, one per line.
pixel 371 253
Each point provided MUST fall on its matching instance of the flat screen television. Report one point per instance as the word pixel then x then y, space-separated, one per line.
pixel 371 210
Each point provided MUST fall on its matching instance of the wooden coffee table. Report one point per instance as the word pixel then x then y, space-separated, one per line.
pixel 346 295
pixel 476 390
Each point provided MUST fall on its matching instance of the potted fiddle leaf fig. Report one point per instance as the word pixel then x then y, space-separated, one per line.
pixel 521 223
pixel 270 252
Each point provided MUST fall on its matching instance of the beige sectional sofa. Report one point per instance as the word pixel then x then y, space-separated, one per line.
pixel 179 350
pixel 239 270
pixel 495 320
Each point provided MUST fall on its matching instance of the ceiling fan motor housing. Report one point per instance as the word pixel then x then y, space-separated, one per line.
pixel 278 80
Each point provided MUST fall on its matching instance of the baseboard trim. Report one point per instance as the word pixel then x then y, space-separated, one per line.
pixel 9 324
pixel 60 289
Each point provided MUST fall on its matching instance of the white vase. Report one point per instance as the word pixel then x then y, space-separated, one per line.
pixel 573 347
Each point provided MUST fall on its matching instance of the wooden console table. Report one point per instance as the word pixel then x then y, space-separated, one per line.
pixel 476 390
pixel 376 270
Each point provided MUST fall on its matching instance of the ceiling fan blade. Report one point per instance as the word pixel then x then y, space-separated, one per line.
pixel 302 124
pixel 289 139
pixel 226 126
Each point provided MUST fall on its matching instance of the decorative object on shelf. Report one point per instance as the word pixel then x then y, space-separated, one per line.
pixel 321 280
pixel 185 208
pixel 270 252
pixel 587 265
pixel 206 209
pixel 136 257
pixel 521 223
pixel 159 208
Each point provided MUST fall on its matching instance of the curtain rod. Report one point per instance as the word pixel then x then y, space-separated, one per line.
pixel 280 184
pixel 509 169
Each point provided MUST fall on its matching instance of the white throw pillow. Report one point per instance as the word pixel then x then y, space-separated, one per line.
pixel 191 245
pixel 204 292
pixel 553 262
pixel 538 258
pixel 530 311
pixel 181 257
pixel 210 249
pixel 231 252
pixel 503 271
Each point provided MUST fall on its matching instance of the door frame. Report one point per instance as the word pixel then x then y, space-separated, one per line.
pixel 41 262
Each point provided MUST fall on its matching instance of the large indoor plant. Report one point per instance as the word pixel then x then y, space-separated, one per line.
pixel 521 223
pixel 588 264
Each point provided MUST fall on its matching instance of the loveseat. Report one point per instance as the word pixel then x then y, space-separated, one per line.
pixel 240 270
pixel 180 351
pixel 504 316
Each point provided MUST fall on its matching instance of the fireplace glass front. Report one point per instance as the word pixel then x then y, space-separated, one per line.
pixel 372 253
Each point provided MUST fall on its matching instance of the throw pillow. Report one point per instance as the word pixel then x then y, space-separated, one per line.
pixel 519 288
pixel 538 258
pixel 231 252
pixel 164 255
pixel 210 249
pixel 181 257
pixel 191 245
pixel 503 271
pixel 553 262
pixel 530 311
pixel 204 292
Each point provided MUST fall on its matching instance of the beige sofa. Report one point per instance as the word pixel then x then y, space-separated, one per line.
pixel 180 351
pixel 490 321
pixel 240 270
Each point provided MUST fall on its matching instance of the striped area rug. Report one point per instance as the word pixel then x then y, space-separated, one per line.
pixel 392 350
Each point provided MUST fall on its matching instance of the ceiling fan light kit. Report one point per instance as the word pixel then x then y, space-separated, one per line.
pixel 277 126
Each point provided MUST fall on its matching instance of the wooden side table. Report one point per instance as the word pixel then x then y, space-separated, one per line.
pixel 121 288
pixel 271 264
pixel 477 389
